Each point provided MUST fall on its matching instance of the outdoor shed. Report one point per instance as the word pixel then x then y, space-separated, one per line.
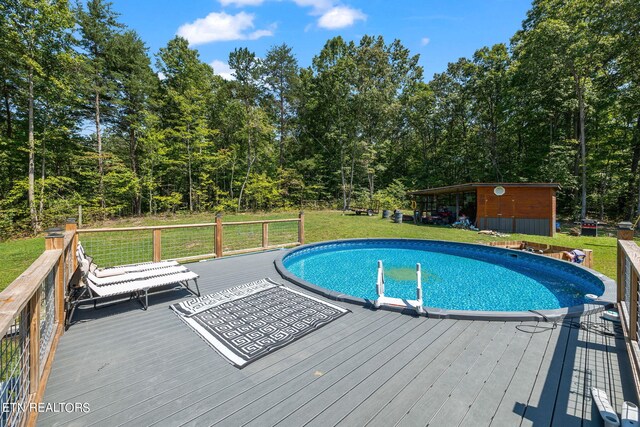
pixel 528 208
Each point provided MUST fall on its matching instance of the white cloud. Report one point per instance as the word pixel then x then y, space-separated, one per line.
pixel 317 6
pixel 222 69
pixel 340 17
pixel 241 3
pixel 425 41
pixel 222 27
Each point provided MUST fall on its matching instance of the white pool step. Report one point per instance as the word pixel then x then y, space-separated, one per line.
pixel 607 412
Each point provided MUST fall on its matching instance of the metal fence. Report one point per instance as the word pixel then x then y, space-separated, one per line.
pixel 629 301
pixel 33 306
pixel 187 242
pixel 31 322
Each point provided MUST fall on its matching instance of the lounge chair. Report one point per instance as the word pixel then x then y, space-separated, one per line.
pixel 94 289
pixel 121 269
pixel 112 279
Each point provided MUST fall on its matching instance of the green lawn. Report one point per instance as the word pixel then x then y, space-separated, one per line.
pixel 16 256
pixel 320 225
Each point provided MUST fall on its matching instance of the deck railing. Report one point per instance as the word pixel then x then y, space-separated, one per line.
pixel 628 302
pixel 33 307
pixel 189 242
pixel 32 310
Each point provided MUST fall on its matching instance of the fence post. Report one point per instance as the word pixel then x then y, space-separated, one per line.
pixel 633 308
pixel 301 228
pixel 588 258
pixel 34 342
pixel 79 216
pixel 157 244
pixel 72 226
pixel 625 232
pixel 218 240
pixel 56 241
pixel 265 234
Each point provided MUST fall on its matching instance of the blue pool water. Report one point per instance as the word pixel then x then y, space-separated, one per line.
pixel 454 276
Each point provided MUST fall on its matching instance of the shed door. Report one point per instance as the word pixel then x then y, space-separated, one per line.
pixel 506 212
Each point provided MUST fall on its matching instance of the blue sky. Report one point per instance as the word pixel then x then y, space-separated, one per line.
pixel 440 31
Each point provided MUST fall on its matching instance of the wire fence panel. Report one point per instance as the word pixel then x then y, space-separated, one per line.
pixel 47 315
pixel 14 371
pixel 69 257
pixel 241 236
pixel 281 233
pixel 626 280
pixel 188 242
pixel 118 247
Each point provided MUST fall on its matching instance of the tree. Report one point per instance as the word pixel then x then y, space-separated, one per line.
pixel 247 88
pixel 582 47
pixel 489 83
pixel 36 31
pixel 98 27
pixel 185 92
pixel 281 72
pixel 333 109
pixel 135 84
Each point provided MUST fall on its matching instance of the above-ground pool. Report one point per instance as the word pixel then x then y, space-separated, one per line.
pixel 458 279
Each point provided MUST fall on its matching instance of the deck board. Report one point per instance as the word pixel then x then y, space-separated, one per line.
pixel 510 408
pixel 368 367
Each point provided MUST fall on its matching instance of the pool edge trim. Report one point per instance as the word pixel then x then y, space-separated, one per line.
pixel 605 301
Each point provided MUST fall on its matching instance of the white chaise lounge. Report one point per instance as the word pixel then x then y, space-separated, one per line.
pixel 129 281
pixel 121 269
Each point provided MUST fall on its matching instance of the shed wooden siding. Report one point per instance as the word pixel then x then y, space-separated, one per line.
pixel 528 210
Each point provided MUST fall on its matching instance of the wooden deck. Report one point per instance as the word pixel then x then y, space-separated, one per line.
pixel 369 367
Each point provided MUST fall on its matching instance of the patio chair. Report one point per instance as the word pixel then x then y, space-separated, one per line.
pixel 112 279
pixel 93 289
pixel 120 269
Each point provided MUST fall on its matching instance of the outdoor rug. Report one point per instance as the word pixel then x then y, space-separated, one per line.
pixel 247 322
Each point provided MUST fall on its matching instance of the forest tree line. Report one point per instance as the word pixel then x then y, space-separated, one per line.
pixel 90 117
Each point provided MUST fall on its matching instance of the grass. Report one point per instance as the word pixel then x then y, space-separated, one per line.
pixel 16 256
pixel 320 225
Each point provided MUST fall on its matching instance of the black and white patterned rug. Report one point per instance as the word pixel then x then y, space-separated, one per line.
pixel 247 322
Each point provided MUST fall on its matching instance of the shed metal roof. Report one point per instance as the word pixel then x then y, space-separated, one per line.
pixel 461 188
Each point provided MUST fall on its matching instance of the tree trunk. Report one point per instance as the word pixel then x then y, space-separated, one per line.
pixel 635 161
pixel 133 146
pixel 353 167
pixel 343 180
pixel 281 129
pixel 100 160
pixel 151 187
pixel 583 147
pixel 250 161
pixel 190 178
pixel 638 211
pixel 35 226
pixel 42 178
pixel 7 106
pixel 246 179
pixel 233 170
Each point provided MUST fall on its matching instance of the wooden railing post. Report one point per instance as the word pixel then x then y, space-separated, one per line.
pixel 625 232
pixel 157 244
pixel 588 258
pixel 265 234
pixel 301 228
pixel 72 226
pixel 34 342
pixel 56 241
pixel 633 307
pixel 218 237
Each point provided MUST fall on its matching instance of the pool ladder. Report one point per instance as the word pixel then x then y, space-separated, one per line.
pixel 415 304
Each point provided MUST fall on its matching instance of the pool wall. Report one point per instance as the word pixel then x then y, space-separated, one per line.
pixel 606 300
